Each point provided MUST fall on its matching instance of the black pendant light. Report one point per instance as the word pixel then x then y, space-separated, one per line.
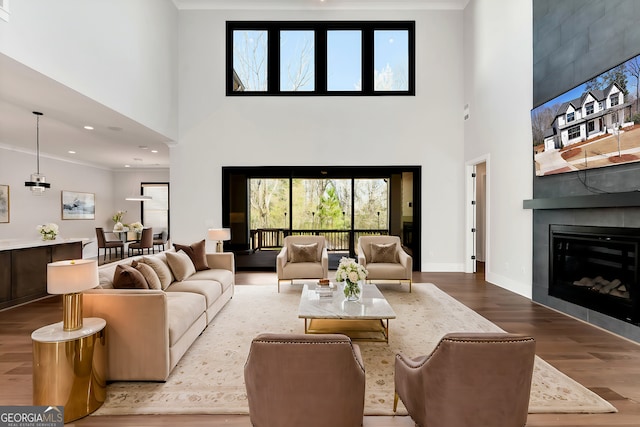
pixel 38 182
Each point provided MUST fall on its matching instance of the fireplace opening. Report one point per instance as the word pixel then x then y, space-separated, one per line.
pixel 596 268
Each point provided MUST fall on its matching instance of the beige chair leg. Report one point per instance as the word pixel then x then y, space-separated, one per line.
pixel 395 401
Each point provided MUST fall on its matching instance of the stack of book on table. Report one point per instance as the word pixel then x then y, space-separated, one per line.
pixel 325 288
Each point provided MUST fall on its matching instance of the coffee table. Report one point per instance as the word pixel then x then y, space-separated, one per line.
pixel 366 319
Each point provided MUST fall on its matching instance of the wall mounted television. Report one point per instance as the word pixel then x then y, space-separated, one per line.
pixel 593 125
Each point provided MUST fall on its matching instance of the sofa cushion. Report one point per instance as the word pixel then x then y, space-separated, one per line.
pixel 383 252
pixel 224 277
pixel 105 276
pixel 161 268
pixel 183 308
pixel 304 253
pixel 180 264
pixel 149 274
pixel 197 253
pixel 127 277
pixel 209 289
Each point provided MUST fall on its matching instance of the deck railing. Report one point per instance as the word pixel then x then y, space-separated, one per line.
pixel 337 240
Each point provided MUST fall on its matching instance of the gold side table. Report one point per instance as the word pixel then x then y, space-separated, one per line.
pixel 69 367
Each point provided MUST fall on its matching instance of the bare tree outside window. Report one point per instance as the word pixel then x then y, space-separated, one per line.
pixel 297 58
pixel 250 59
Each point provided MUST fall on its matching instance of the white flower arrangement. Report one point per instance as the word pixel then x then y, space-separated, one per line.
pixel 350 272
pixel 119 227
pixel 48 231
pixel 136 226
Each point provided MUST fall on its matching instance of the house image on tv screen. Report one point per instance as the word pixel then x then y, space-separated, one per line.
pixel 593 114
pixel 593 125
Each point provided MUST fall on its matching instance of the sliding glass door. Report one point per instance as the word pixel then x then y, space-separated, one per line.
pixel 262 205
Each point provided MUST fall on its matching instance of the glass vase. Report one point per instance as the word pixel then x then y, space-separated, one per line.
pixel 351 290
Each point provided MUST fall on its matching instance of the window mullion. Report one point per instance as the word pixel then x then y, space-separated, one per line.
pixel 367 60
pixel 321 60
pixel 273 61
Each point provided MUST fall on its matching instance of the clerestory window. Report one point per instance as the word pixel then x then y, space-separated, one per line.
pixel 320 58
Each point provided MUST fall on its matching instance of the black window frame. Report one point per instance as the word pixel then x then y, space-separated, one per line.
pixel 589 108
pixel 320 29
pixel 571 116
pixel 575 130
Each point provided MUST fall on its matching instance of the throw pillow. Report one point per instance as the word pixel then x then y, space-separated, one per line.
pixel 181 265
pixel 161 268
pixel 149 274
pixel 127 277
pixel 383 252
pixel 196 252
pixel 304 253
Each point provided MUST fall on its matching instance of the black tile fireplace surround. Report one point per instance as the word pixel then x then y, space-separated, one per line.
pixel 597 268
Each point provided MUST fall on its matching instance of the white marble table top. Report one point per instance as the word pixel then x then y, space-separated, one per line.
pixel 55 333
pixel 371 305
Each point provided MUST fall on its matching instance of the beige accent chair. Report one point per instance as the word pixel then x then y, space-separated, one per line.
pixel 305 380
pixel 470 379
pixel 296 261
pixel 378 263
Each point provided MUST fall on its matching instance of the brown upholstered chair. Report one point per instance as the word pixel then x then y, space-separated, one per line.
pixel 160 240
pixel 291 265
pixel 384 265
pixel 146 242
pixel 305 380
pixel 470 379
pixel 105 244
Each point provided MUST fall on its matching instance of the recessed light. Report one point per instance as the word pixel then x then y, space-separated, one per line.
pixel 71 152
pixel 154 151
pixel 127 166
pixel 88 127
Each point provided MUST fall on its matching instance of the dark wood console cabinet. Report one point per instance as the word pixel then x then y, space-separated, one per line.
pixel 23 271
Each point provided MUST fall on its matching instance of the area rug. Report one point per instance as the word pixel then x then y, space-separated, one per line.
pixel 209 377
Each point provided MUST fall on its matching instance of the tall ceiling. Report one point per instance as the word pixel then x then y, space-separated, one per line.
pixel 114 142
pixel 117 141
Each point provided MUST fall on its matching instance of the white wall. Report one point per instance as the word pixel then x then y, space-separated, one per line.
pixel 120 53
pixel 498 88
pixel 425 130
pixel 28 211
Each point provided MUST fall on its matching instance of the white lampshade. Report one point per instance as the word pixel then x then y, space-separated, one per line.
pixel 219 234
pixel 70 276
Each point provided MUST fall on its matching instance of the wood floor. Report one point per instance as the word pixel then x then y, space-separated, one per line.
pixel 603 362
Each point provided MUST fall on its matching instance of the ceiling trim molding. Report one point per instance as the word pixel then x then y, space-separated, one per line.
pixel 321 5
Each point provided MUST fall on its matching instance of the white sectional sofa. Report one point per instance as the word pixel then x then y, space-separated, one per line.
pixel 149 330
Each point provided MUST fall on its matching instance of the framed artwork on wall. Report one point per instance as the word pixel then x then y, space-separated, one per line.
pixel 593 125
pixel 77 205
pixel 4 203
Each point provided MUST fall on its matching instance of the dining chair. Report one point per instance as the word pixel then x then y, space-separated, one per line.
pixel 160 240
pixel 145 242
pixel 105 244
